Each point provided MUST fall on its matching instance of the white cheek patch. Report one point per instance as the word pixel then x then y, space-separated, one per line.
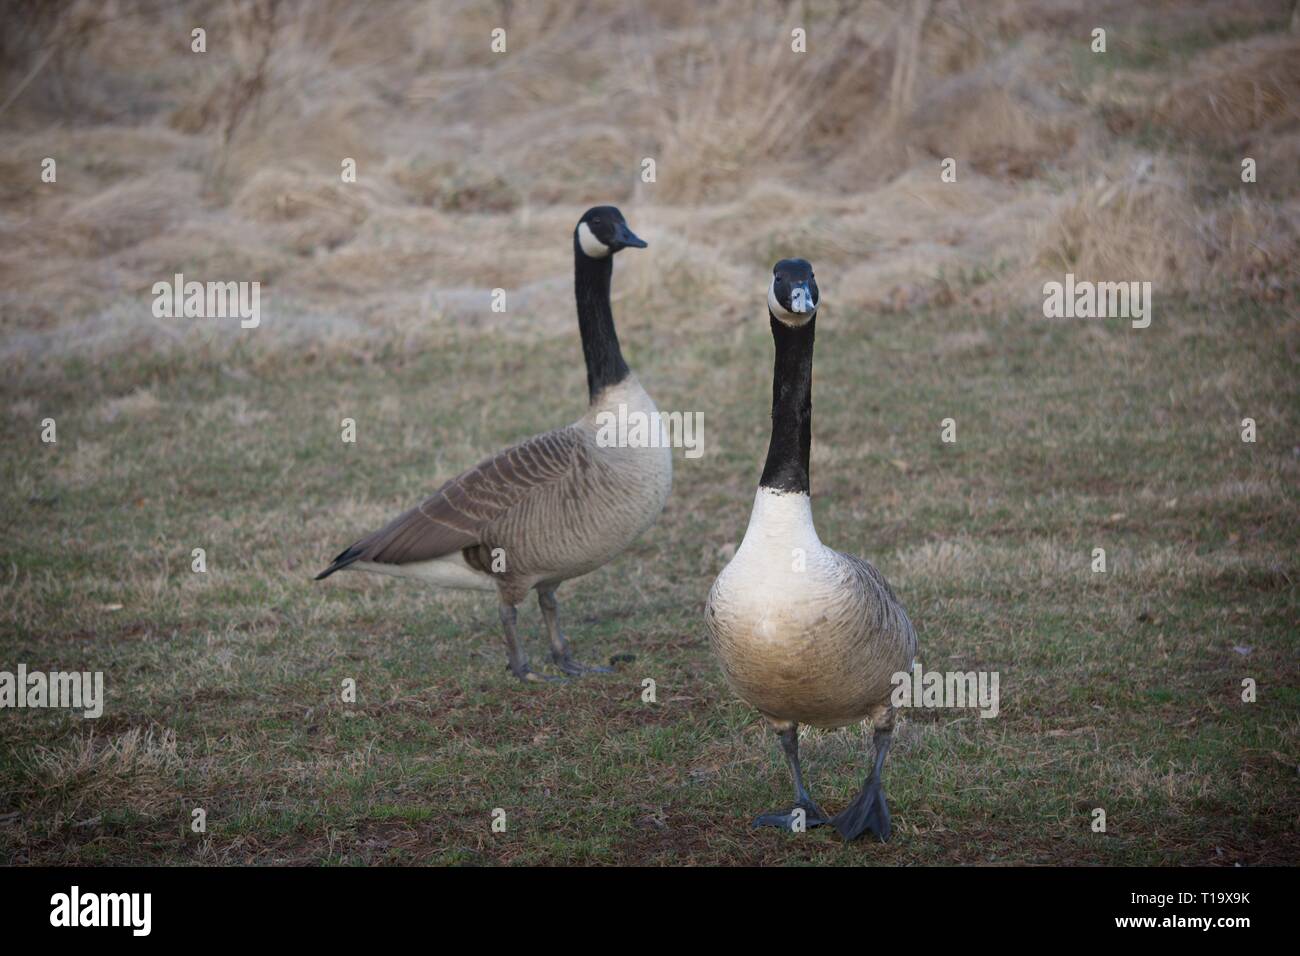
pixel 784 314
pixel 592 246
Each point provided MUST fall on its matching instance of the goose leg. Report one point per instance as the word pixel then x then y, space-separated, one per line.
pixel 517 658
pixel 868 811
pixel 813 816
pixel 560 652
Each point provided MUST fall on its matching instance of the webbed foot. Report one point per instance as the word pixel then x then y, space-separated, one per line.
pixel 811 814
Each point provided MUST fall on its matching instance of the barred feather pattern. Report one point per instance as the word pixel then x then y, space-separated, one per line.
pixel 551 508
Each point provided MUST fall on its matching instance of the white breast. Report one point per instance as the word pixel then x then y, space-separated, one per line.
pixel 788 624
pixel 780 549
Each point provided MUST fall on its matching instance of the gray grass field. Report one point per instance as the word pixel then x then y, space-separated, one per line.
pixel 1120 690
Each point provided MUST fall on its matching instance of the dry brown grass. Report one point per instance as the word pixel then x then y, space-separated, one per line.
pixel 1237 89
pixel 132 769
pixel 472 165
pixel 1141 217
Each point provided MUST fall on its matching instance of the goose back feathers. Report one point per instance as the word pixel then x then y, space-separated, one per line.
pixel 551 508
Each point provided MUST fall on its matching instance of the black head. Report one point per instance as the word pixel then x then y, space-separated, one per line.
pixel 602 231
pixel 792 297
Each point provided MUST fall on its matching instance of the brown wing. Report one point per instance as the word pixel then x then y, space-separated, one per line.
pixel 453 517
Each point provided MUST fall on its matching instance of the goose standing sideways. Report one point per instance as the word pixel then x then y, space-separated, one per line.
pixel 553 507
pixel 806 634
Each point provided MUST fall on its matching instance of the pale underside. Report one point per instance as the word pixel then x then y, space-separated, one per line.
pixel 804 633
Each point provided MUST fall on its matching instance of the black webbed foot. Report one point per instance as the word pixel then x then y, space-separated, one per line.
pixel 786 820
pixel 867 813
pixel 576 668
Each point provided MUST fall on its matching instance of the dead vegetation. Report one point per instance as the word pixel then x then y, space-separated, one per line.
pixel 228 161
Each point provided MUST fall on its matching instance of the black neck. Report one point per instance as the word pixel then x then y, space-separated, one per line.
pixel 605 365
pixel 787 454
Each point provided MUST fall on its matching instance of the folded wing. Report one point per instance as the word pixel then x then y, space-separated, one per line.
pixel 454 516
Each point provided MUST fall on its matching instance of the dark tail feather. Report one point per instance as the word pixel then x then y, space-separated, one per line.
pixel 868 811
pixel 347 557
